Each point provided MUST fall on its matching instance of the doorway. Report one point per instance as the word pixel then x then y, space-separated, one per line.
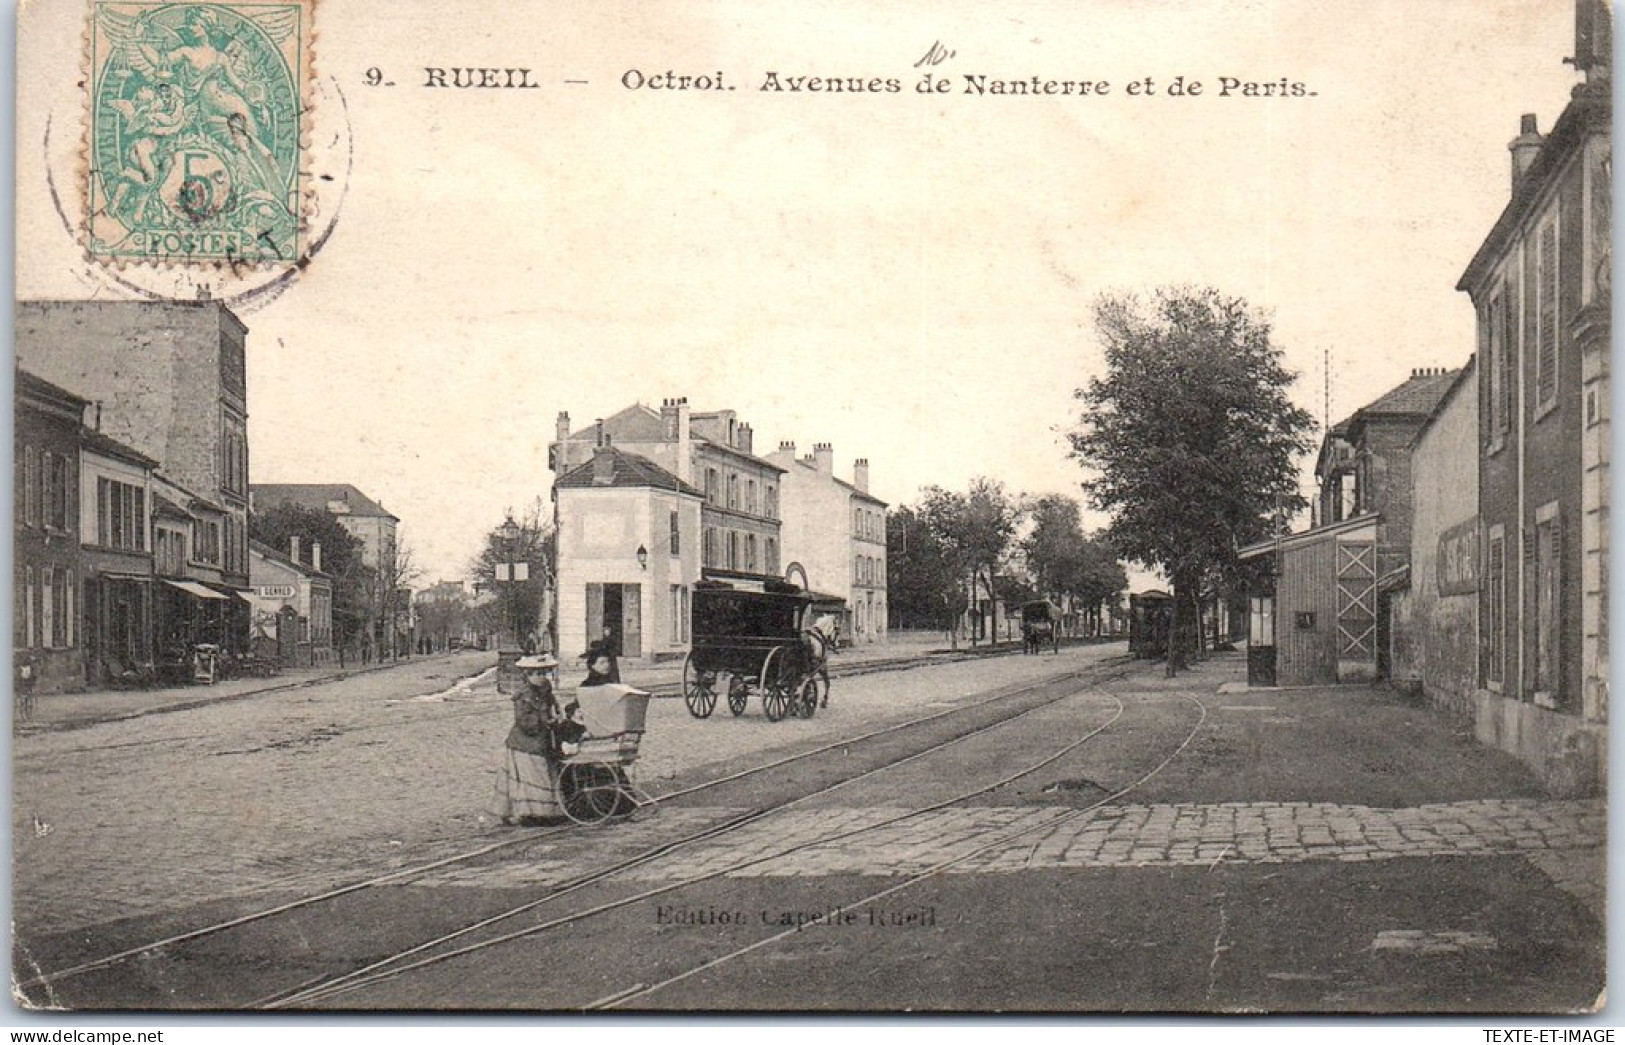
pixel 615 612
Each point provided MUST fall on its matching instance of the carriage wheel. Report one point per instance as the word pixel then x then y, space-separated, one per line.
pixel 589 791
pixel 775 691
pixel 699 688
pixel 738 693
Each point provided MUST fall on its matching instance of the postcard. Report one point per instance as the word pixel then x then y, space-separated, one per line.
pixel 1076 508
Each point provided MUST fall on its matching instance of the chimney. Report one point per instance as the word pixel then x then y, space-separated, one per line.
pixel 824 457
pixel 316 555
pixel 746 440
pixel 1524 148
pixel 860 474
pixel 598 432
pixel 561 435
pixel 293 547
pixel 603 466
pixel 1593 40
pixel 685 444
pixel 787 446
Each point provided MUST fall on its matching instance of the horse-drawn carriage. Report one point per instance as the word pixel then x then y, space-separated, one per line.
pixel 1040 626
pixel 774 642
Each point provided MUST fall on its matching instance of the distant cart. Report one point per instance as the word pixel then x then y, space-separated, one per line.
pixel 1040 626
pixel 765 642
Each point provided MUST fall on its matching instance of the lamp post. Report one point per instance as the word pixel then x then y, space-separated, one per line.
pixel 510 573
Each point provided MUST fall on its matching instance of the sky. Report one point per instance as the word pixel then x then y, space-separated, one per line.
pixel 907 276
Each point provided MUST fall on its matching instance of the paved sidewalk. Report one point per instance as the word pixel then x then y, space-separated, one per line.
pixel 63 711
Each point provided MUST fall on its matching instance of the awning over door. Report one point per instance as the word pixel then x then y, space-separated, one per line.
pixel 195 589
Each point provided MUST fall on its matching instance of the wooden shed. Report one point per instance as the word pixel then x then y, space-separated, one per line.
pixel 1315 621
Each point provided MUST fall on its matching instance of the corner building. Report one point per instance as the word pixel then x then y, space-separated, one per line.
pixel 1541 285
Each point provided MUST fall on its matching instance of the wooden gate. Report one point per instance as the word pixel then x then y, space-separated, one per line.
pixel 1356 609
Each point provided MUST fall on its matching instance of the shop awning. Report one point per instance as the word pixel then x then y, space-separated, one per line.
pixel 195 589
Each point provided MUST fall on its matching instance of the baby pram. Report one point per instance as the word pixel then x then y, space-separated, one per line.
pixel 595 781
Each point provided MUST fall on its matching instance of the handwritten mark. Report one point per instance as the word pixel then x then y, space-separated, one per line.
pixel 936 55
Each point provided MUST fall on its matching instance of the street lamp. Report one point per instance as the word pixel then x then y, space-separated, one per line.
pixel 643 557
pixel 511 573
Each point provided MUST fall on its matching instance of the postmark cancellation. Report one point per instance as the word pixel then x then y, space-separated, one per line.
pixel 196 124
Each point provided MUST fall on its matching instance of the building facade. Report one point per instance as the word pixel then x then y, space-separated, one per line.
pixel 1540 285
pixel 1327 613
pixel 116 526
pixel 713 452
pixel 389 606
pixel 629 554
pixel 293 604
pixel 169 380
pixel 836 531
pixel 47 649
pixel 1435 621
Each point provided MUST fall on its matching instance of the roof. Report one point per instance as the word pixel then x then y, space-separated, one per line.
pixel 317 495
pixel 643 424
pixel 1590 110
pixel 265 551
pixel 163 506
pixel 107 446
pixel 1292 541
pixel 635 424
pixel 1462 377
pixel 853 490
pixel 1419 395
pixel 140 307
pixel 39 388
pixel 629 470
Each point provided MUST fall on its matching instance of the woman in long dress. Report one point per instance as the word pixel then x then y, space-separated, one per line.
pixel 527 782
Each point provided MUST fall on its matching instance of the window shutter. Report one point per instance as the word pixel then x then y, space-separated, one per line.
pixel 1546 364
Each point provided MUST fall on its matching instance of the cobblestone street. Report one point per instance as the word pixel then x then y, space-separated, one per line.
pixel 311 787
pixel 165 819
pixel 1566 837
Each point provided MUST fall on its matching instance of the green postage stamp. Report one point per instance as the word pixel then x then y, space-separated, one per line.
pixel 196 129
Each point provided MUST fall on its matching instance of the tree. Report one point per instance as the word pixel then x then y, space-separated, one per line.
pixel 526 604
pixel 976 527
pixel 1189 436
pixel 442 614
pixel 1064 562
pixel 922 581
pixel 392 596
pixel 341 559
